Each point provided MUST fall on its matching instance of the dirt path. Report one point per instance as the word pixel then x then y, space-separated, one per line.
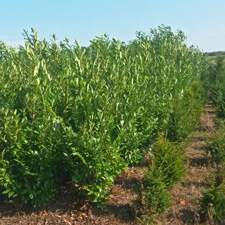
pixel 186 196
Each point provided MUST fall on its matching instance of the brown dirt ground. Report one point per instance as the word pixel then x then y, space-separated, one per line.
pixel 70 208
pixel 122 209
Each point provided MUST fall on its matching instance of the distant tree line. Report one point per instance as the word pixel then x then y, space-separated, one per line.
pixel 214 53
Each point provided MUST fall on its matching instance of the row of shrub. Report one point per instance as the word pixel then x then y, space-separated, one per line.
pixel 213 201
pixel 83 114
pixel 216 83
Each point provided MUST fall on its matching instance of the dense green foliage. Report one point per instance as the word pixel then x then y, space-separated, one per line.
pixel 213 201
pixel 157 196
pixel 216 83
pixel 168 159
pixel 216 145
pixel 83 114
pixel 167 168
pixel 185 113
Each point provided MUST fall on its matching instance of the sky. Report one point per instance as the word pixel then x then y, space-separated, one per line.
pixel 202 21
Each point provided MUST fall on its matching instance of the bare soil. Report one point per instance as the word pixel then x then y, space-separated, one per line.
pixel 122 209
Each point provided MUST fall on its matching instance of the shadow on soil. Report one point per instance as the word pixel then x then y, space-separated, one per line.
pixel 196 184
pixel 199 162
pixel 128 183
pixel 188 216
pixel 67 202
pixel 125 213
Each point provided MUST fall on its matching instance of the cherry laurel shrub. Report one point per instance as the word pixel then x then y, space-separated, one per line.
pixel 83 114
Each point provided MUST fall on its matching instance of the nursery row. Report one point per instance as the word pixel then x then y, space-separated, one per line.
pixel 84 114
pixel 214 198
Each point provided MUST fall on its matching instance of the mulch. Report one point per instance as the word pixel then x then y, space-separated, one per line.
pixel 70 208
